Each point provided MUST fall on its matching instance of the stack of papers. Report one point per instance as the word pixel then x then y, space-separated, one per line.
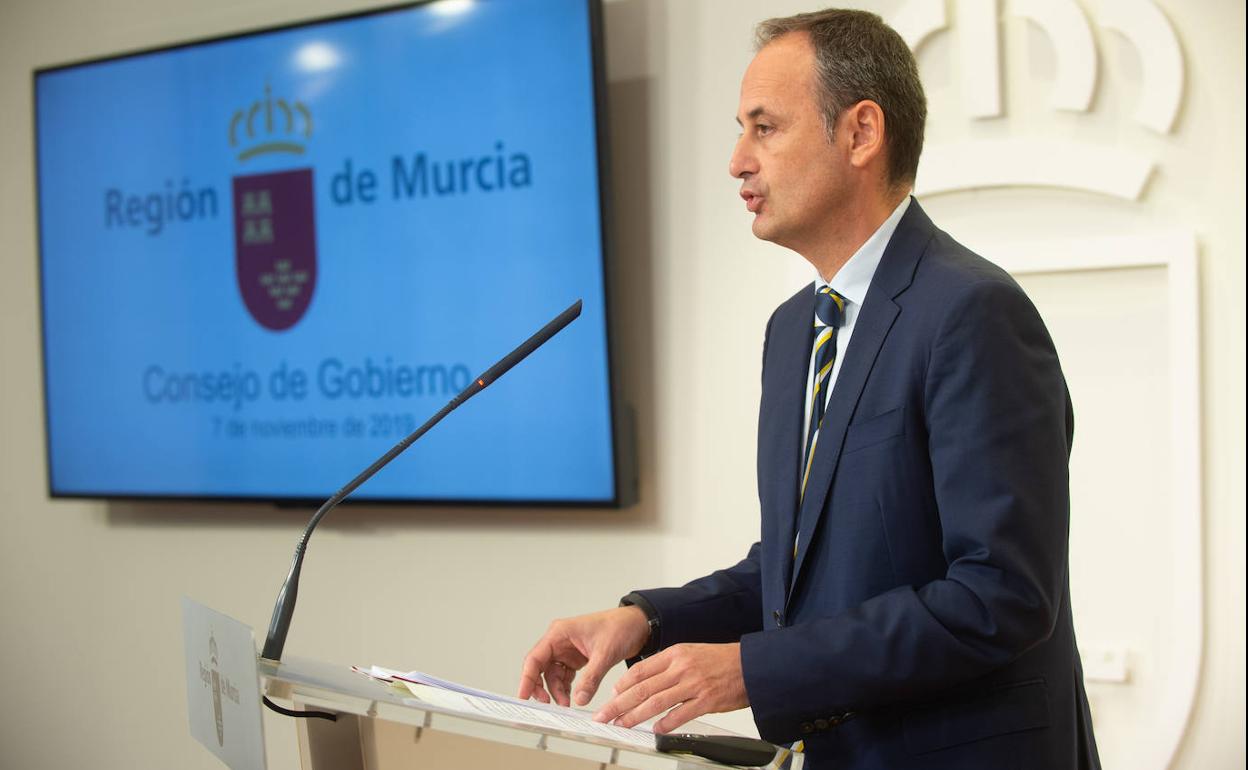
pixel 457 697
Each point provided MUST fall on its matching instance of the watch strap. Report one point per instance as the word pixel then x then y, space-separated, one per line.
pixel 651 646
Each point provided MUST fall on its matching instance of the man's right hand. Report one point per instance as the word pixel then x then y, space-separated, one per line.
pixel 590 644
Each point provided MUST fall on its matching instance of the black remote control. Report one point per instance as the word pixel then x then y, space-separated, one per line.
pixel 729 749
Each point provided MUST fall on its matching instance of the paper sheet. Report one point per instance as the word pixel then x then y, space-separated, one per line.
pixel 567 720
pixel 457 697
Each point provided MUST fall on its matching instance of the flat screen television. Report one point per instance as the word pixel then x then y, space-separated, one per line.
pixel 267 257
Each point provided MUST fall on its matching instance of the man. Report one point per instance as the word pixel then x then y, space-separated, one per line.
pixel 908 603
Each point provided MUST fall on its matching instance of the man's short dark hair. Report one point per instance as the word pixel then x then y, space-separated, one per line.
pixel 857 57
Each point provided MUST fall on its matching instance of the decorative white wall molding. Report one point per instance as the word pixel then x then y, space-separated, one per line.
pixel 1032 162
pixel 917 20
pixel 1148 30
pixel 1067 29
pixel 979 57
pixel 1043 162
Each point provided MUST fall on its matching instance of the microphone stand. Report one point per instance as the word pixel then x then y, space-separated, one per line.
pixel 284 608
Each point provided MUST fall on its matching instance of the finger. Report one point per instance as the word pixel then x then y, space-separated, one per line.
pixel 530 686
pixel 685 712
pixel 531 670
pixel 557 682
pixel 645 669
pixel 661 700
pixel 590 677
pixel 634 697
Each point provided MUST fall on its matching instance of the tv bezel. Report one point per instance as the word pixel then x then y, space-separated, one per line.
pixel 619 446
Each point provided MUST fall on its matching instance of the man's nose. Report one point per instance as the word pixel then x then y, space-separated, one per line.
pixel 741 162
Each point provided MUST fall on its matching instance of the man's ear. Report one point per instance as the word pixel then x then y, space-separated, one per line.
pixel 865 123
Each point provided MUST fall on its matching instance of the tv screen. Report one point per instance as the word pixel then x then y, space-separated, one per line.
pixel 266 258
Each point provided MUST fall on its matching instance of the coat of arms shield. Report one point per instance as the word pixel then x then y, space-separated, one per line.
pixel 275 245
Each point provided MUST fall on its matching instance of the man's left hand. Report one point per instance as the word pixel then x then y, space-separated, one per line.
pixel 695 678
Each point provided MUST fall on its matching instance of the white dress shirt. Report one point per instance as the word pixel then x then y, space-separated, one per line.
pixel 851 282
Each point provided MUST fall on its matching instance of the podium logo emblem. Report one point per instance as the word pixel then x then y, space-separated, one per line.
pixel 274 215
pixel 215 673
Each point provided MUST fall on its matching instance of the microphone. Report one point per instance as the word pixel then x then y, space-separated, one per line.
pixel 284 609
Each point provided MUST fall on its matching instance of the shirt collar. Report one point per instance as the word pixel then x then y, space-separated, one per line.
pixel 854 277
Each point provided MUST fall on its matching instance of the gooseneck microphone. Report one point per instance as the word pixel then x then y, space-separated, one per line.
pixel 284 609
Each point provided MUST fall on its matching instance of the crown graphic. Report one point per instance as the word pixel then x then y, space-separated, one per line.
pixel 1047 161
pixel 270 125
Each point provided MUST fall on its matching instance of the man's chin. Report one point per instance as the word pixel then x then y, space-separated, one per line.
pixel 763 228
pixel 770 232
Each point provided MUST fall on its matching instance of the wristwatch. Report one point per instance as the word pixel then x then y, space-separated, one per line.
pixel 652 618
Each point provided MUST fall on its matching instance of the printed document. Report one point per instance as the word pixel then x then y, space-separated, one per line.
pixel 457 697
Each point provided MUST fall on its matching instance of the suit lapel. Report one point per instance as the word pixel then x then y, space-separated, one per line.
pixel 875 319
pixel 791 337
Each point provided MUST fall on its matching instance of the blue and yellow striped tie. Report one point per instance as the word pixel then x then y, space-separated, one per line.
pixel 829 314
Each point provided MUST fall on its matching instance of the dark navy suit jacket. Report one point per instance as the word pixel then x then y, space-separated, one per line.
pixel 925 622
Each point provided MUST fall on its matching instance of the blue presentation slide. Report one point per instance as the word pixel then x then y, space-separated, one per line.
pixel 266 259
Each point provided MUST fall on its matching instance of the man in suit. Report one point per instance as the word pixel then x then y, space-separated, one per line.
pixel 907 605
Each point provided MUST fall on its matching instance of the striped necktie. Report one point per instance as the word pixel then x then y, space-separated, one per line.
pixel 829 314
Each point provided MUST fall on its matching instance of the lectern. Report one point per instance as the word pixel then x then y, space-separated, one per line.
pixel 382 728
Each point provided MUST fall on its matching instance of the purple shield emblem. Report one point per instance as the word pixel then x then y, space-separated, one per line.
pixel 275 245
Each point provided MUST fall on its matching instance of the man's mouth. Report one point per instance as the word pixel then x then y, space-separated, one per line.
pixel 753 202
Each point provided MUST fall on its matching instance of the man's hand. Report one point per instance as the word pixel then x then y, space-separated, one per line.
pixel 593 642
pixel 701 678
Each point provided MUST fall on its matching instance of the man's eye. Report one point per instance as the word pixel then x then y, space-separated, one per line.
pixel 762 129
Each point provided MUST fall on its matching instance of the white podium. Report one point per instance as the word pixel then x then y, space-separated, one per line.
pixel 382 728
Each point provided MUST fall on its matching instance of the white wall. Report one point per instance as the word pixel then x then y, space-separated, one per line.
pixel 90 630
